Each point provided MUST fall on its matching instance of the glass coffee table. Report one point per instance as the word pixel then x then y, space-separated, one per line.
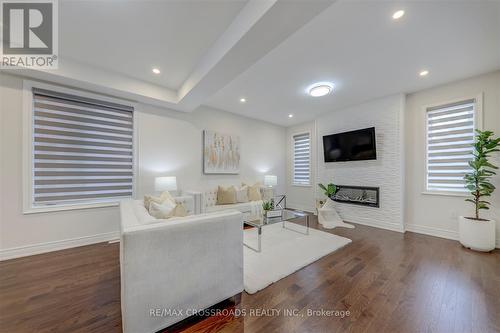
pixel 286 216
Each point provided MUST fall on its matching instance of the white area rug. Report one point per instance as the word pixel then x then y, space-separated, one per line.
pixel 284 252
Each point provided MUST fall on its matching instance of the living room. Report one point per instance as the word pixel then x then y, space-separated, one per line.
pixel 250 166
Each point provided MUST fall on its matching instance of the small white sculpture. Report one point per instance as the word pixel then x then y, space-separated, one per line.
pixel 329 218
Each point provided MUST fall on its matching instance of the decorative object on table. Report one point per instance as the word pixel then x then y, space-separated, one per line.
pixel 270 210
pixel 475 232
pixel 221 153
pixel 165 184
pixel 327 214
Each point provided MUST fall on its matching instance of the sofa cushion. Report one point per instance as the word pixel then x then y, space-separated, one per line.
pixel 251 210
pixel 226 196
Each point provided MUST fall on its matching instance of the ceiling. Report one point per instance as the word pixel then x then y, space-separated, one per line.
pixel 366 54
pixel 214 52
pixel 132 37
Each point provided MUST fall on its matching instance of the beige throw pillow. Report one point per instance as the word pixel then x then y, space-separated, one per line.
pixel 254 192
pixel 226 196
pixel 162 210
pixel 242 194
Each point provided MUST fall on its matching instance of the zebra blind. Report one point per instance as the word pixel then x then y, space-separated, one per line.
pixel 301 159
pixel 450 135
pixel 82 149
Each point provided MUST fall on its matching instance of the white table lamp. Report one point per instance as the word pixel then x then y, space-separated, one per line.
pixel 270 180
pixel 165 184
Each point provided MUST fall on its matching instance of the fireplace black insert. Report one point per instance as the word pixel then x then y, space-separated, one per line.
pixel 357 195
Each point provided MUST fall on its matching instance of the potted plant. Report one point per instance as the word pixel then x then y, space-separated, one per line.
pixel 329 190
pixel 475 232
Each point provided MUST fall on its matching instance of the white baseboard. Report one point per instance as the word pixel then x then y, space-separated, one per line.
pixel 304 208
pixel 432 231
pixel 380 225
pixel 23 251
pixel 439 232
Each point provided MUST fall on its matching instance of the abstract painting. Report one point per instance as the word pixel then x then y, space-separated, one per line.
pixel 221 153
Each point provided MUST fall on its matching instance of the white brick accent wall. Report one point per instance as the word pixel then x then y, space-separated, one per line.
pixel 386 172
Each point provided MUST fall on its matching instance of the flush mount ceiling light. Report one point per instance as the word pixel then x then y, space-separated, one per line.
pixel 399 14
pixel 320 89
pixel 243 100
pixel 290 115
pixel 423 73
pixel 156 71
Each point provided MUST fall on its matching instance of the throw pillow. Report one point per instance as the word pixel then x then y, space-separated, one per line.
pixel 162 210
pixel 226 196
pixel 242 194
pixel 165 196
pixel 179 210
pixel 254 192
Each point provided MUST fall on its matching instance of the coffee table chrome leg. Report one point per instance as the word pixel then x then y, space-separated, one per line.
pixel 260 239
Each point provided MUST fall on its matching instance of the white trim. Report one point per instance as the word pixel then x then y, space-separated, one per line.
pixel 432 231
pixel 447 194
pixel 305 208
pixel 478 124
pixel 27 147
pixel 28 250
pixel 439 232
pixel 381 225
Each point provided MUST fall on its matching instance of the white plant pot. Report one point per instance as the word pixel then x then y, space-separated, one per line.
pixel 477 235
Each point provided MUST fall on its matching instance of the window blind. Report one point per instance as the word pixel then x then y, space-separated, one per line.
pixel 301 159
pixel 82 149
pixel 450 135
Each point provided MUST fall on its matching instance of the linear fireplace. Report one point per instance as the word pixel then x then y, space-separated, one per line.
pixel 357 195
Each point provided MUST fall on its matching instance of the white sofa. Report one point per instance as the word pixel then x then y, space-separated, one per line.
pixel 206 202
pixel 184 264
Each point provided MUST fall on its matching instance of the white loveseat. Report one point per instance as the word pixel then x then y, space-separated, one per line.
pixel 184 264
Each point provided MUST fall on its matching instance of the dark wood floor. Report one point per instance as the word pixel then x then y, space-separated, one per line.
pixel 389 282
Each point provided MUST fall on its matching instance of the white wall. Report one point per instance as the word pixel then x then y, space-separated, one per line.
pixel 434 214
pixel 300 197
pixel 386 172
pixel 169 143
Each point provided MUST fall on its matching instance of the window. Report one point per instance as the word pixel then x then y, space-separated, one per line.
pixel 301 159
pixel 82 150
pixel 450 134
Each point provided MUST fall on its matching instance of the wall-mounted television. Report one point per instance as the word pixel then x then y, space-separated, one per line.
pixel 350 146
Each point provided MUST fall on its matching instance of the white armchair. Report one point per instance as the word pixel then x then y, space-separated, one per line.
pixel 183 264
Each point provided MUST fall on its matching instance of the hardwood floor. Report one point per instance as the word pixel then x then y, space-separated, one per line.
pixel 389 282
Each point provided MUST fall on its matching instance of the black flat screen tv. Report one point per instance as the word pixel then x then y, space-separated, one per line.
pixel 350 146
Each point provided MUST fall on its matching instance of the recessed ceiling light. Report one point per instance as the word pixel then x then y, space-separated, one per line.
pixel 320 89
pixel 243 100
pixel 423 73
pixel 156 71
pixel 290 115
pixel 399 14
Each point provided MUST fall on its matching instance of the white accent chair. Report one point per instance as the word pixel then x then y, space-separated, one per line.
pixel 185 263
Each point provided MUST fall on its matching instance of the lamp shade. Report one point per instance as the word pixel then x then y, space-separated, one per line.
pixel 165 184
pixel 270 180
